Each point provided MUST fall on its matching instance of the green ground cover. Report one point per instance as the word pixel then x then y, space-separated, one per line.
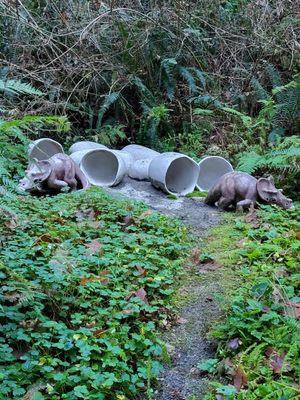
pixel 85 281
pixel 259 342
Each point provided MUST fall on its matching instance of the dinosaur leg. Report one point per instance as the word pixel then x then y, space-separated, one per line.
pixel 57 184
pixel 244 204
pixel 224 203
pixel 70 175
pixel 72 183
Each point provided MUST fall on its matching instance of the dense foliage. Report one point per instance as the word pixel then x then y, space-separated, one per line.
pixel 144 65
pixel 259 339
pixel 84 282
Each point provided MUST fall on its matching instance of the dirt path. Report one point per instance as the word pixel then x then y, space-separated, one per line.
pixel 187 342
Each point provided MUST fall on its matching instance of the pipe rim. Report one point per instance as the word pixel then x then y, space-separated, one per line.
pixel 118 175
pixel 227 168
pixel 34 147
pixel 191 187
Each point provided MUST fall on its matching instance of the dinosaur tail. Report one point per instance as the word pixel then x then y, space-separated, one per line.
pixel 81 178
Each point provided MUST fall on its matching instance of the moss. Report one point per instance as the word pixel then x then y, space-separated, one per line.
pixel 172 197
pixel 221 245
pixel 197 193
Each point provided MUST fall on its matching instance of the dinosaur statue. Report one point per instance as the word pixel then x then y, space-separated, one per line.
pixel 240 190
pixel 52 175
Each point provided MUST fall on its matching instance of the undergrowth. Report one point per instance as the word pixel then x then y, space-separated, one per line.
pixel 259 342
pixel 85 281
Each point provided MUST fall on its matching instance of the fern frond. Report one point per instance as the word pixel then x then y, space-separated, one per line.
pixel 260 91
pixel 188 77
pixel 167 75
pixel 12 86
pixel 109 100
pixel 293 152
pixel 200 75
pixel 273 75
pixel 249 162
pixel 146 93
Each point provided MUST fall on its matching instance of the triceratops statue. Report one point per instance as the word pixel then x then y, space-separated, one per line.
pixel 52 175
pixel 241 190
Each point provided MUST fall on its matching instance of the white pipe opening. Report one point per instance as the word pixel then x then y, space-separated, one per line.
pixel 174 173
pixel 103 167
pixel 211 168
pixel 42 149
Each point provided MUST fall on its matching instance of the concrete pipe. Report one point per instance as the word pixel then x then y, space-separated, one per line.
pixel 85 145
pixel 103 167
pixel 139 152
pixel 127 158
pixel 42 149
pixel 139 170
pixel 174 173
pixel 211 168
pixel 78 155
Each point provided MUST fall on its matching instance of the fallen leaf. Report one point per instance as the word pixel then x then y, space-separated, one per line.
pixel 94 278
pixel 58 220
pixel 252 218
pixel 276 361
pixel 208 267
pixel 239 378
pixel 242 242
pixel 82 215
pixel 147 212
pixel 46 238
pixel 297 235
pixel 195 255
pixel 13 297
pixel 141 294
pixel 141 271
pixel 128 220
pixel 293 309
pixel 233 344
pixel 11 221
pixel 90 324
pixel 99 332
pixel 29 323
pixel 127 312
pixel 181 320
pixel 93 247
pixel 12 224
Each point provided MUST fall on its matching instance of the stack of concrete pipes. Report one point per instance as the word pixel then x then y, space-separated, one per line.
pixel 174 173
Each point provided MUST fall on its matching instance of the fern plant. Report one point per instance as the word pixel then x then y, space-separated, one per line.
pixel 171 71
pixel 282 160
pixel 153 118
pixel 283 102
